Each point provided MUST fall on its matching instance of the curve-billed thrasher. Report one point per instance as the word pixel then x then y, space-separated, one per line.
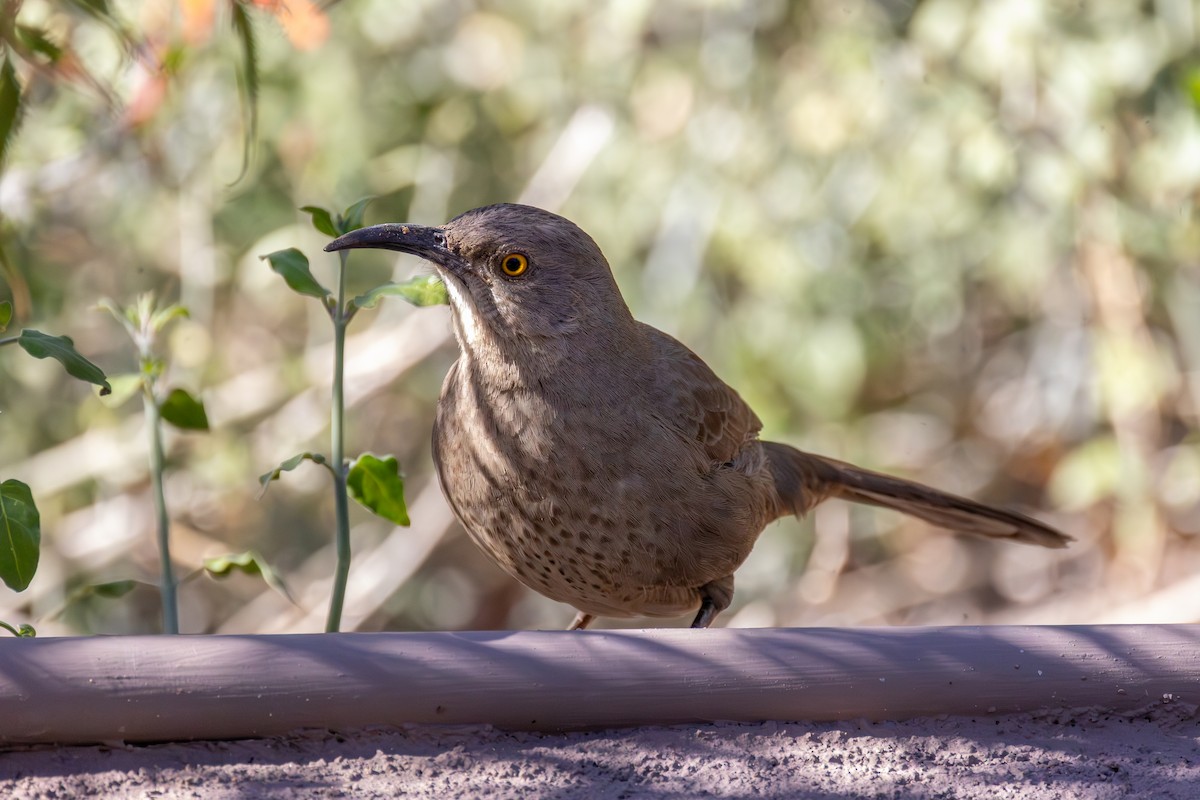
pixel 595 458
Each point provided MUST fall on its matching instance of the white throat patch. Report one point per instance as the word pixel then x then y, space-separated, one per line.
pixel 468 317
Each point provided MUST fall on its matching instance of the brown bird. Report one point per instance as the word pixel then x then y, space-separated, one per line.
pixel 595 458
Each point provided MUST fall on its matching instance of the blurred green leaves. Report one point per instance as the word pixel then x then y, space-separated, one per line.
pixel 247 81
pixel 20 521
pixel 1192 86
pixel 36 40
pixel 247 563
pixel 424 290
pixel 144 320
pixel 10 106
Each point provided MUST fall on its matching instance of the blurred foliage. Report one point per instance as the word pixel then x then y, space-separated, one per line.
pixel 955 239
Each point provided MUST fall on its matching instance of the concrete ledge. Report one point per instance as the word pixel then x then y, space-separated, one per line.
pixel 160 688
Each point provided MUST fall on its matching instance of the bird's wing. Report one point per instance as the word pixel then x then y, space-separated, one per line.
pixel 692 400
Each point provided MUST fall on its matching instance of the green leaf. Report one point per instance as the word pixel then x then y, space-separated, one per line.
pixel 160 318
pixel 62 349
pixel 10 105
pixel 377 484
pixel 427 290
pixel 321 220
pixel 1192 86
pixel 98 8
pixel 247 81
pixel 23 632
pixel 289 465
pixel 20 535
pixel 184 411
pixel 352 218
pixel 293 266
pixel 36 40
pixel 249 563
pixel 109 590
pixel 5 314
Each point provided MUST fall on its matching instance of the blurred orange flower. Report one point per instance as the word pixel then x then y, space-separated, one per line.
pixel 306 25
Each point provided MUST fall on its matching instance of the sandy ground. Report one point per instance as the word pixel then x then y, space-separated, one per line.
pixel 1047 756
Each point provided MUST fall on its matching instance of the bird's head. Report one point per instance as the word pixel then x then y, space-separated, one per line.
pixel 515 274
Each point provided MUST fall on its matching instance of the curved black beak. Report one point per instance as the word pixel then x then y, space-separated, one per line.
pixel 419 240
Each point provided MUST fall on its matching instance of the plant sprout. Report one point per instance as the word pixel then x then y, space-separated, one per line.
pixel 374 481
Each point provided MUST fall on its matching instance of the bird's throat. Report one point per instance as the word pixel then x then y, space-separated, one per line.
pixel 470 328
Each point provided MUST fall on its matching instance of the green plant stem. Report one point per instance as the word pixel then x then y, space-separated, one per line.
pixel 170 607
pixel 338 460
pixel 9 340
pixel 9 628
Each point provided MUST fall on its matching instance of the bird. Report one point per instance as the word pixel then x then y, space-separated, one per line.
pixel 598 460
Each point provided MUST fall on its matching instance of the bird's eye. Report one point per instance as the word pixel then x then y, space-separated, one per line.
pixel 514 265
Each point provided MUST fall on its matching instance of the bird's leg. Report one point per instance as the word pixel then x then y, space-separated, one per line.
pixel 715 597
pixel 707 613
pixel 581 621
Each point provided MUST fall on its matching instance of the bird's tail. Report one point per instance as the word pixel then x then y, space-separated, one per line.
pixel 802 480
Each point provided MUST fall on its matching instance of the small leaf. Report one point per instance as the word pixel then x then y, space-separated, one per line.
pixel 184 411
pixel 20 535
pixel 121 315
pixel 160 318
pixel 36 40
pixel 377 484
pixel 287 466
pixel 250 563
pixel 321 220
pixel 293 266
pixel 352 218
pixel 23 631
pixel 110 590
pixel 10 105
pixel 62 349
pixel 5 314
pixel 124 387
pixel 427 290
pixel 142 309
pixel 247 81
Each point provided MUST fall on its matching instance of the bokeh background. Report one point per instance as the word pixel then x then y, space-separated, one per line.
pixel 952 239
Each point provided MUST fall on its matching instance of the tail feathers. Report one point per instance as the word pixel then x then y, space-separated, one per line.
pixel 802 480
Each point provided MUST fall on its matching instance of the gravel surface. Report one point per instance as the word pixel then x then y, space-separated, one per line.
pixel 1043 756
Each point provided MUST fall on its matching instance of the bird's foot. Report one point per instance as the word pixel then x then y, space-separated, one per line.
pixel 707 613
pixel 715 597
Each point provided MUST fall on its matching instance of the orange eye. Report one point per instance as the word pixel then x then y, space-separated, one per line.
pixel 514 265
